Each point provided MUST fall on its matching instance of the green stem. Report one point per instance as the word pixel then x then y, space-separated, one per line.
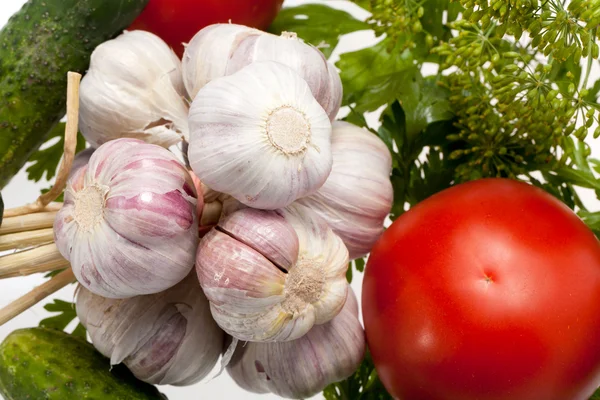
pixel 589 63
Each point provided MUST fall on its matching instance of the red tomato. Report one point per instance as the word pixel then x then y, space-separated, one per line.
pixel 177 21
pixel 489 290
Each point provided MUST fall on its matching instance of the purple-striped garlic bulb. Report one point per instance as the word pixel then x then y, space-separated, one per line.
pixel 272 275
pixel 224 49
pixel 128 225
pixel 134 88
pixel 260 136
pixel 81 160
pixel 163 338
pixel 358 195
pixel 301 368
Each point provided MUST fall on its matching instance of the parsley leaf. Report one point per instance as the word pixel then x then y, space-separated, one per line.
pixel 363 385
pixel 374 77
pixel 45 162
pixel 66 314
pixel 317 24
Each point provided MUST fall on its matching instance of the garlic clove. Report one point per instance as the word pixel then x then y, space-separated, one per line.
pixel 206 56
pixel 358 195
pixel 134 89
pixel 333 102
pixel 254 299
pixel 128 224
pixel 303 367
pixel 278 243
pixel 260 136
pixel 258 278
pixel 164 338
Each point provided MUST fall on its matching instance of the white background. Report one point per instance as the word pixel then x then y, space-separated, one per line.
pixel 21 191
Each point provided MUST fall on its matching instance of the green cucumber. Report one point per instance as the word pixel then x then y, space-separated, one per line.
pixel 38 46
pixel 40 363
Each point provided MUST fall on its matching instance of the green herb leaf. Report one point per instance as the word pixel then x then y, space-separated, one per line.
pixel 363 385
pixel 374 77
pixel 423 102
pixel 45 162
pixel 317 24
pixel 66 314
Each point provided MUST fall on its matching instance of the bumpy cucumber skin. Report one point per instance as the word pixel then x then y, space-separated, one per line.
pixel 38 46
pixel 46 364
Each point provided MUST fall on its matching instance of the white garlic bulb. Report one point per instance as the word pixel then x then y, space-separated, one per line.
pixel 224 49
pixel 128 225
pixel 358 195
pixel 133 88
pixel 208 53
pixel 163 338
pixel 303 367
pixel 272 275
pixel 260 136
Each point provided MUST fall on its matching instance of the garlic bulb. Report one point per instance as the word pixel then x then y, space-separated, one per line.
pixel 128 225
pixel 134 88
pixel 301 368
pixel 209 51
pixel 164 338
pixel 272 275
pixel 225 49
pixel 260 136
pixel 358 195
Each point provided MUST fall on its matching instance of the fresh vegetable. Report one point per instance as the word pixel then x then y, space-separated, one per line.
pixel 301 368
pixel 357 197
pixel 128 225
pixel 272 275
pixel 1 209
pixel 224 49
pixel 487 290
pixel 45 364
pixel 170 337
pixel 38 46
pixel 176 22
pixel 134 89
pixel 262 119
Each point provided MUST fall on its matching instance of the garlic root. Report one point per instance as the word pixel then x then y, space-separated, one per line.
pixel 36 295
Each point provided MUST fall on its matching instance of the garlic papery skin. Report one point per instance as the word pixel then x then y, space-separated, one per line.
pixel 208 53
pixel 128 225
pixel 224 49
pixel 163 338
pixel 272 275
pixel 303 367
pixel 260 136
pixel 358 195
pixel 134 89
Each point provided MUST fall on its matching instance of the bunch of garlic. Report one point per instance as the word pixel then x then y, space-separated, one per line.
pixel 358 195
pixel 224 49
pixel 260 136
pixel 303 367
pixel 272 275
pixel 128 225
pixel 164 338
pixel 134 88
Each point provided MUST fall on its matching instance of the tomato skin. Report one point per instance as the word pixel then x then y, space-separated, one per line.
pixel 177 21
pixel 489 290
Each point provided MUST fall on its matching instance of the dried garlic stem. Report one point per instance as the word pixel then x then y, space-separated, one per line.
pixel 29 222
pixel 36 295
pixel 22 240
pixel 69 152
pixel 40 259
